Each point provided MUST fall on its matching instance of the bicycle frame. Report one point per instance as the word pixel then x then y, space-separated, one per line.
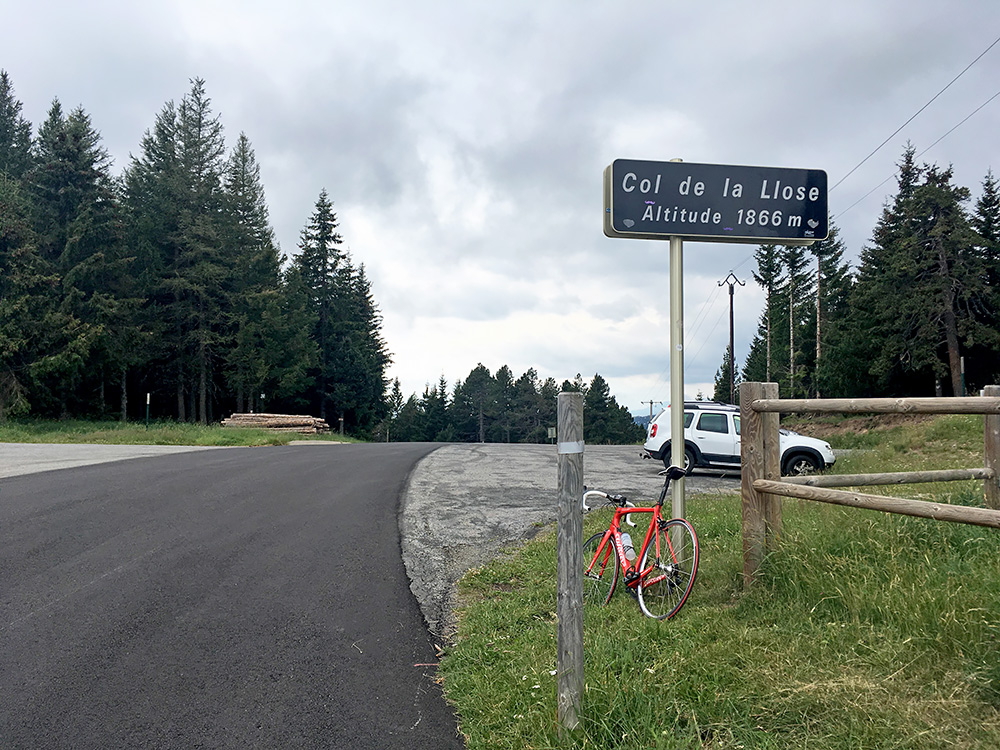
pixel 631 569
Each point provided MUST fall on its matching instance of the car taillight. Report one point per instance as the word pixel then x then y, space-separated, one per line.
pixel 652 430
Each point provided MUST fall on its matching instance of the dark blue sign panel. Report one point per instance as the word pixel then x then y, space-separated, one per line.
pixel 714 202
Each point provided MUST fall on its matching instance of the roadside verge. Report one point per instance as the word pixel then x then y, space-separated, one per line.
pixel 466 503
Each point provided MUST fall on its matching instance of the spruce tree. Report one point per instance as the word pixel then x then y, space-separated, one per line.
pixel 918 283
pixel 722 390
pixel 15 133
pixel 832 286
pixel 503 401
pixel 176 215
pixel 954 284
pixel 78 226
pixel 526 408
pixel 768 277
pixel 23 290
pixel 201 272
pixel 152 199
pixel 605 421
pixel 318 262
pixel 473 406
pixel 364 356
pixel 796 292
pixel 256 331
pixel 983 362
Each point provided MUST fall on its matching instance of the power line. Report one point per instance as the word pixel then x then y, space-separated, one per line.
pixel 956 127
pixel 995 41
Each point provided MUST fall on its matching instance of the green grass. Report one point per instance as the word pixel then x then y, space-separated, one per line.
pixel 866 630
pixel 137 433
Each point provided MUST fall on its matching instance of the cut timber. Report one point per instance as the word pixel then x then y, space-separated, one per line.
pixel 279 422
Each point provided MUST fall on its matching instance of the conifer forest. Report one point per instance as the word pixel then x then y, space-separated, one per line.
pixel 919 316
pixel 166 279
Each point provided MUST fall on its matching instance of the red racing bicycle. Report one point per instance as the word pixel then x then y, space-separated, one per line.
pixel 661 574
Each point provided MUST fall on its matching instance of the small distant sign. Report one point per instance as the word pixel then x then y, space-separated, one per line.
pixel 715 202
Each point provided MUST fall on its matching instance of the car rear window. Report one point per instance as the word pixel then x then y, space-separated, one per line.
pixel 714 423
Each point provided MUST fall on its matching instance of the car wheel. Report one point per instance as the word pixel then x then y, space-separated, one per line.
pixel 799 464
pixel 688 459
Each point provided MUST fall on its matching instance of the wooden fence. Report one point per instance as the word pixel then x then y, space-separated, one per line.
pixel 763 487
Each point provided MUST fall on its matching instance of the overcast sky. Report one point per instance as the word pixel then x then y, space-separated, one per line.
pixel 463 144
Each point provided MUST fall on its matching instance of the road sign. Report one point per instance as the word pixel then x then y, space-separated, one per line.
pixel 714 202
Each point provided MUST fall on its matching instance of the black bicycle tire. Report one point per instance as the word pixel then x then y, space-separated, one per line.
pixel 680 575
pixel 593 543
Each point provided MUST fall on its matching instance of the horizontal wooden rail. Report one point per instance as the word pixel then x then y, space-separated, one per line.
pixel 956 405
pixel 919 508
pixel 892 477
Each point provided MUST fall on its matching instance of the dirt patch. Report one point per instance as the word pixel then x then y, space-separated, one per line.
pixel 825 428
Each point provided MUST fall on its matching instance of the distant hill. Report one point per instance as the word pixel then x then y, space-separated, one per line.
pixel 642 420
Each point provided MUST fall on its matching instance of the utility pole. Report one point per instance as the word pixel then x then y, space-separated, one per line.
pixel 731 280
pixel 651 407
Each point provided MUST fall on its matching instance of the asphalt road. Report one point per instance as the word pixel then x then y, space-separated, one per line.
pixel 243 598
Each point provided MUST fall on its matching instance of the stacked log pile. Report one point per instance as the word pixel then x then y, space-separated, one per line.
pixel 303 424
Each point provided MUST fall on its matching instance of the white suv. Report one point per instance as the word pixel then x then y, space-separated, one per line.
pixel 712 441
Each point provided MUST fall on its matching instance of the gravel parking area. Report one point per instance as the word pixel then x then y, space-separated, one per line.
pixel 466 503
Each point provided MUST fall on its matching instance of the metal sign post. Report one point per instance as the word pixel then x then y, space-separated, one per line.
pixel 677 371
pixel 678 200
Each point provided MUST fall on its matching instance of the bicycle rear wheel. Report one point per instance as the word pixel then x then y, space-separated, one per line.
pixel 665 588
pixel 600 570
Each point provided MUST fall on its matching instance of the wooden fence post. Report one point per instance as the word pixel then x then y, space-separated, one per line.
pixel 569 577
pixel 770 422
pixel 760 457
pixel 752 460
pixel 991 487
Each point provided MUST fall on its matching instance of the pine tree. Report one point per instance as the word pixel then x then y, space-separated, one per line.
pixel 796 292
pixel 318 263
pixel 502 400
pixel 435 409
pixel 955 283
pixel 605 421
pixel 176 218
pixel 15 133
pixel 23 290
pixel 768 277
pixel 873 352
pixel 152 199
pixel 548 400
pixel 408 425
pixel 473 408
pixel 364 349
pixel 292 379
pixel 78 225
pixel 832 287
pixel 256 352
pixel 755 367
pixel 918 283
pixel 983 362
pixel 722 390
pixel 386 430
pixel 201 271
pixel 527 409
pixel 350 376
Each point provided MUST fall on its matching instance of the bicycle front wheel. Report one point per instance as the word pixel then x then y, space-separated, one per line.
pixel 600 570
pixel 671 564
